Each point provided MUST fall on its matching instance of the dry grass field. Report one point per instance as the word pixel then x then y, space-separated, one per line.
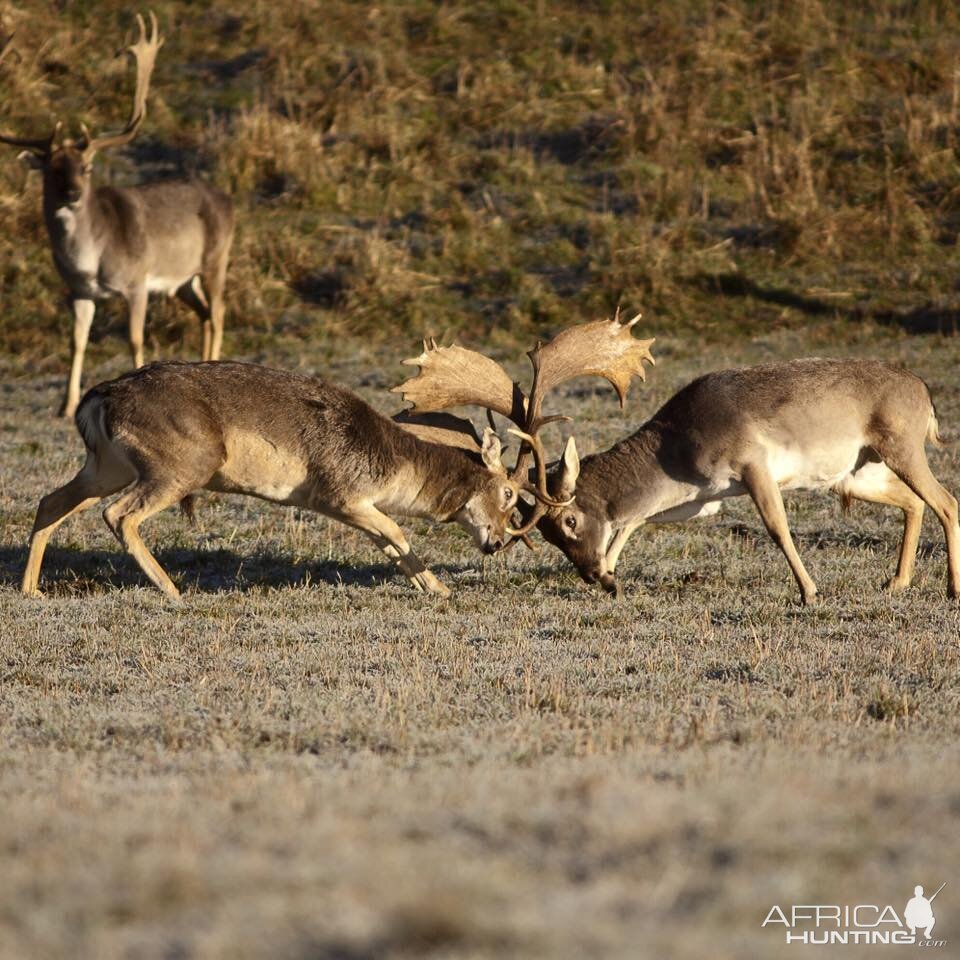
pixel 307 760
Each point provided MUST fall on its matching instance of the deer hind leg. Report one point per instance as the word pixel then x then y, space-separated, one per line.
pixel 215 279
pixel 877 483
pixel 83 491
pixel 82 319
pixel 388 536
pixel 909 463
pixel 765 493
pixel 125 515
pixel 137 307
pixel 193 295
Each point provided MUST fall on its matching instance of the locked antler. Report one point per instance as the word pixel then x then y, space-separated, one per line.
pixel 455 376
pixel 145 53
pixel 603 348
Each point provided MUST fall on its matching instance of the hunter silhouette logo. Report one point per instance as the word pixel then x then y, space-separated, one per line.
pixel 862 923
pixel 918 914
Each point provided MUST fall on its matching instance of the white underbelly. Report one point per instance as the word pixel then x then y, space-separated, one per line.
pixel 817 469
pixel 167 285
pixel 686 511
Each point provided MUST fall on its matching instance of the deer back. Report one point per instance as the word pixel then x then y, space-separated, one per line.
pixel 807 415
pixel 271 429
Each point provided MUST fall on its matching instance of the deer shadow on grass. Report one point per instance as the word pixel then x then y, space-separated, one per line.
pixel 203 571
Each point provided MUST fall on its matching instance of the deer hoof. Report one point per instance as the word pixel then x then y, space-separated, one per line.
pixel 895 585
pixel 428 582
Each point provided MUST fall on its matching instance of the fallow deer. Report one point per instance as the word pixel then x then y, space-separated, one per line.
pixel 164 431
pixel 855 427
pixel 171 237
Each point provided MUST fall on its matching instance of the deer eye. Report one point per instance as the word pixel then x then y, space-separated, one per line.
pixel 570 522
pixel 508 495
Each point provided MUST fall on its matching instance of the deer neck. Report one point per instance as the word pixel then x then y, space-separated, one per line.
pixel 76 232
pixel 628 482
pixel 437 481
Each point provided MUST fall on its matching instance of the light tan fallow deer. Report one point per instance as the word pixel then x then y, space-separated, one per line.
pixel 854 427
pixel 170 237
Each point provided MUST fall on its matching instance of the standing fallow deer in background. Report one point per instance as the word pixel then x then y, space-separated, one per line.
pixel 164 431
pixel 855 427
pixel 171 237
pixel 455 376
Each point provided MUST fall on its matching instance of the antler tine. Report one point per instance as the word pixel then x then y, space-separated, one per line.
pixel 604 348
pixel 145 53
pixel 39 145
pixel 455 376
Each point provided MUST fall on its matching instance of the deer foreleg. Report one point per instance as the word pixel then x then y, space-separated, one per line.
pixel 82 319
pixel 137 305
pixel 766 495
pixel 388 536
pixel 617 544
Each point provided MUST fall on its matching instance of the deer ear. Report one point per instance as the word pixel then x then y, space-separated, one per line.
pixel 490 451
pixel 30 159
pixel 570 471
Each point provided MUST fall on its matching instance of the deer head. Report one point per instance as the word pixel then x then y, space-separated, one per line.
pixel 581 529
pixel 455 376
pixel 67 165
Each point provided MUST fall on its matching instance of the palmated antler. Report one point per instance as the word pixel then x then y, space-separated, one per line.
pixel 40 145
pixel 145 52
pixel 603 348
pixel 455 376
